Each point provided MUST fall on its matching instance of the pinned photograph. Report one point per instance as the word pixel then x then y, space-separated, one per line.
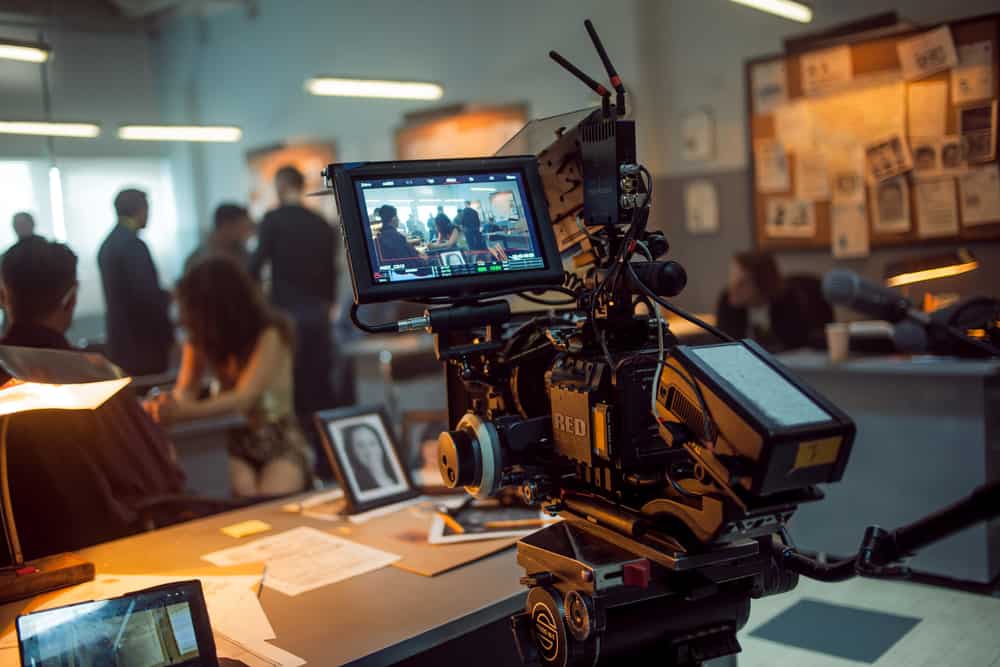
pixel 848 186
pixel 977 125
pixel 928 53
pixel 770 88
pixel 365 458
pixel 980 196
pixel 952 155
pixel 891 206
pixel 887 158
pixel 926 156
pixel 790 218
pixel 771 167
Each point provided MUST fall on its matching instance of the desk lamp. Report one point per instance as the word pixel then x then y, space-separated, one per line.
pixel 40 379
pixel 909 271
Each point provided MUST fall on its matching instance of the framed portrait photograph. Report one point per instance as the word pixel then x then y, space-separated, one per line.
pixel 421 429
pixel 365 457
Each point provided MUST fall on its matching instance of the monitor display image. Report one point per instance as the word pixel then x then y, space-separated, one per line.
pixel 144 629
pixel 435 227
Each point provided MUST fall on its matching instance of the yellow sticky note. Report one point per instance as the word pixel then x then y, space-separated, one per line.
pixel 245 528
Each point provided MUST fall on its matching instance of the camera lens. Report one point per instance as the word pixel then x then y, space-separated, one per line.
pixel 457 452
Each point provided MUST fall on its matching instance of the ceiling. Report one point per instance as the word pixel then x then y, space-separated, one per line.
pixel 115 11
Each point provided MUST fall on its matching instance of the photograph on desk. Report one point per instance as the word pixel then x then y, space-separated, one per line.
pixel 487 519
pixel 365 457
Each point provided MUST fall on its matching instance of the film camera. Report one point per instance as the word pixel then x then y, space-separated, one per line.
pixel 675 468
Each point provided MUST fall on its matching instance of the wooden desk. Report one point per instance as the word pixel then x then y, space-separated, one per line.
pixel 379 618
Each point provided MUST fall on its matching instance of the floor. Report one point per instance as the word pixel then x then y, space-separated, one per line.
pixel 953 629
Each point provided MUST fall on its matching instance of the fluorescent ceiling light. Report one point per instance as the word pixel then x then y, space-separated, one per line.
pixel 789 9
pixel 29 53
pixel 44 129
pixel 398 90
pixel 56 203
pixel 180 133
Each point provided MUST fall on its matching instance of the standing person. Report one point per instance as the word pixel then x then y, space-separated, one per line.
pixel 140 333
pixel 300 247
pixel 471 225
pixel 24 225
pixel 232 227
pixel 248 346
pixel 441 220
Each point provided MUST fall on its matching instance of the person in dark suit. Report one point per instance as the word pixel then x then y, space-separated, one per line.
pixel 368 459
pixel 24 225
pixel 300 247
pixel 140 333
pixel 779 313
pixel 472 226
pixel 77 477
pixel 393 244
pixel 232 227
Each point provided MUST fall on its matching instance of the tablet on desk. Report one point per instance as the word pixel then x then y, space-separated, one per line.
pixel 165 625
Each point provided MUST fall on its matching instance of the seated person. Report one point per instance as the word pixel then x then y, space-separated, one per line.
pixel 76 477
pixel 392 242
pixel 450 236
pixel 779 313
pixel 248 346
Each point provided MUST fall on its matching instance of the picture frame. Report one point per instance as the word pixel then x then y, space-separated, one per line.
pixel 365 457
pixel 420 428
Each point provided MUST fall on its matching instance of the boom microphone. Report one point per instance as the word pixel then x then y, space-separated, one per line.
pixel 844 287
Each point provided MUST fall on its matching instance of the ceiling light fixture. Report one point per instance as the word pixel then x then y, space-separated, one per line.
pixel 396 90
pixel 789 9
pixel 220 133
pixel 29 52
pixel 47 129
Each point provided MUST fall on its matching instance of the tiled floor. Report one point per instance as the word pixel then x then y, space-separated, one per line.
pixel 956 629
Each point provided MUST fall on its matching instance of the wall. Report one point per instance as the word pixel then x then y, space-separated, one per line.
pixel 251 71
pixel 696 52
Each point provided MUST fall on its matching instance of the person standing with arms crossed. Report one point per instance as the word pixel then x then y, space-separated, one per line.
pixel 140 333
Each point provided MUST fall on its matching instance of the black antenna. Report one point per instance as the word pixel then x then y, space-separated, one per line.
pixel 587 81
pixel 616 81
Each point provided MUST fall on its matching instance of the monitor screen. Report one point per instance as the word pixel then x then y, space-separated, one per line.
pixel 434 227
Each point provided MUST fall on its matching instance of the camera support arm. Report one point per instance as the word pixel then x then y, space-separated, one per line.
pixel 880 548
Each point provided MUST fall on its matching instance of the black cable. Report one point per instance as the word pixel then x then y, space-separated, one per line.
pixel 678 311
pixel 384 327
pixel 546 302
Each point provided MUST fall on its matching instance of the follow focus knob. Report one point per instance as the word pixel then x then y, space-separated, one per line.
pixel 457 458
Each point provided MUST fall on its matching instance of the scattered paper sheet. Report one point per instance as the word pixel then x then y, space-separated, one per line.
pixel 770 86
pixel 701 207
pixel 826 69
pixel 927 108
pixel 232 602
pixel 304 558
pixel 849 229
pixel 973 78
pixel 793 126
pixel 980 195
pixel 937 208
pixel 927 53
pixel 255 654
pixel 891 206
pixel 771 167
pixel 790 218
pixel 812 179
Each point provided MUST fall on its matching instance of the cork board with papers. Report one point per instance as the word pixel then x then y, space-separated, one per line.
pixel 877 142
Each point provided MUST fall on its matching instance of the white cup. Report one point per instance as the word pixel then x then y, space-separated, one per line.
pixel 838 339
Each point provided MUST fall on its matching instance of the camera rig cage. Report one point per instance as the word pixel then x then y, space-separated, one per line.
pixel 675 468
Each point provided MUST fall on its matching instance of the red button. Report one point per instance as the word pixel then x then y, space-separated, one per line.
pixel 27 569
pixel 637 574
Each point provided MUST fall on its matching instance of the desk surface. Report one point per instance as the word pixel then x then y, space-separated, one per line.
pixel 374 619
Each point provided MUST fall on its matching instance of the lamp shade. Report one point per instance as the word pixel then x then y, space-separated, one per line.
pixel 919 269
pixel 40 379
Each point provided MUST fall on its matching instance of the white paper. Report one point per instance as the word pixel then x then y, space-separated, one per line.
pixel 891 206
pixel 304 558
pixel 937 208
pixel 927 108
pixel 771 167
pixel 927 53
pixel 826 69
pixel 872 108
pixel 789 218
pixel 701 207
pixel 887 157
pixel 847 175
pixel 849 230
pixel 769 83
pixel 233 606
pixel 255 653
pixel 980 195
pixel 812 179
pixel 793 126
pixel 973 78
pixel 697 135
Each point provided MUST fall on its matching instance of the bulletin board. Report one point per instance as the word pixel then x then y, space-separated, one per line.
pixel 819 120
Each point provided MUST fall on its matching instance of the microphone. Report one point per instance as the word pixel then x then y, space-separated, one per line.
pixel 844 287
pixel 910 338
